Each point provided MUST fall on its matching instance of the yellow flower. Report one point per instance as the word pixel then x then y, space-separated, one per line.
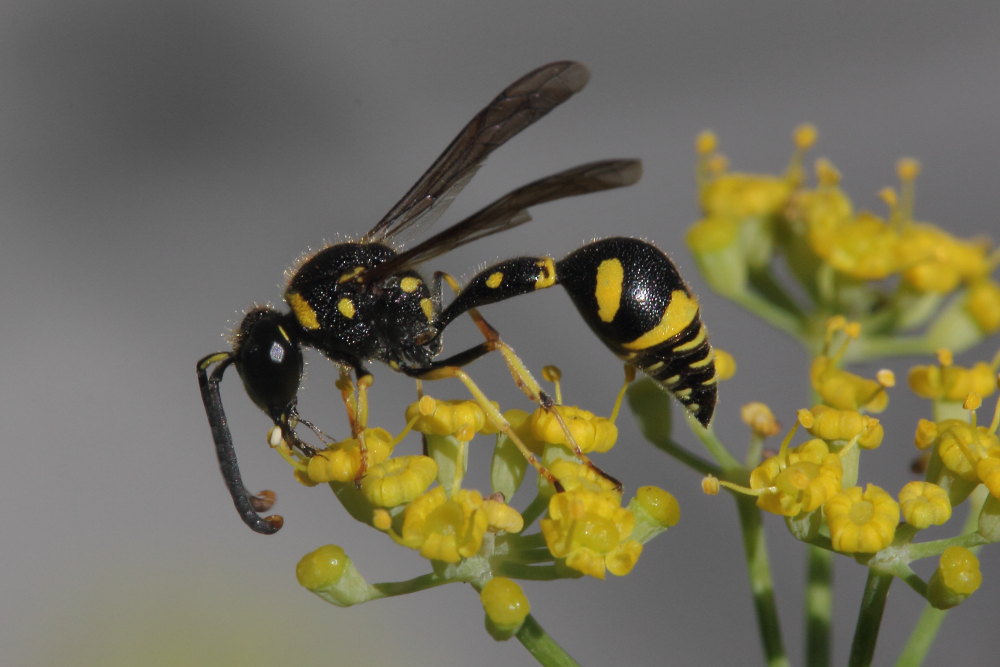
pixel 502 517
pixel 725 365
pixel 461 419
pixel 341 461
pixel 505 604
pixel 322 568
pixel 988 472
pixel 861 521
pixel 745 195
pixel 863 247
pixel 844 390
pixel 445 529
pixel 760 419
pixel 956 578
pixel 398 480
pixel 961 445
pixel 936 261
pixel 798 480
pixel 924 504
pixel 659 504
pixel 591 433
pixel 591 530
pixel 574 475
pixel 842 425
pixel 947 382
pixel 983 303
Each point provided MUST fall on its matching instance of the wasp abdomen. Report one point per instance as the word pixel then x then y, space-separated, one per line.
pixel 634 299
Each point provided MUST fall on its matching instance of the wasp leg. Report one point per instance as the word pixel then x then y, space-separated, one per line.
pixel 246 503
pixel 499 282
pixel 496 418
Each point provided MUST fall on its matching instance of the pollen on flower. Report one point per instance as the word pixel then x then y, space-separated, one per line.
pixel 907 169
pixel 924 504
pixel 805 136
pixel 591 530
pixel 886 377
pixel 706 142
pixel 861 521
pixel 827 174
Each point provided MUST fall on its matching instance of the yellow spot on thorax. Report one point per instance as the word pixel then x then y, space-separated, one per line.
pixel 304 313
pixel 409 284
pixel 350 275
pixel 546 273
pixel 610 276
pixel 346 308
pixel 495 280
pixel 680 313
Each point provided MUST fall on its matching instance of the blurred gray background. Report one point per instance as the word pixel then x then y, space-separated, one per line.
pixel 162 163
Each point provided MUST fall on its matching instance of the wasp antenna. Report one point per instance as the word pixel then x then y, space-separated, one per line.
pixel 246 503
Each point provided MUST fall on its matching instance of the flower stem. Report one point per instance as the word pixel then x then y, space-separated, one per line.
pixel 923 635
pixel 541 646
pixel 423 582
pixel 819 601
pixel 761 584
pixel 869 618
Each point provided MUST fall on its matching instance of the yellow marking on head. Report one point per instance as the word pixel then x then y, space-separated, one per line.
pixel 428 307
pixel 346 308
pixel 679 314
pixel 546 274
pixel 495 280
pixel 409 284
pixel 694 342
pixel 610 276
pixel 304 313
pixel 350 275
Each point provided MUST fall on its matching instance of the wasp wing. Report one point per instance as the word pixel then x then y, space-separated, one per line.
pixel 511 210
pixel 518 106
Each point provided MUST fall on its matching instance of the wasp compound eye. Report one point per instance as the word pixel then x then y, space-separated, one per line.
pixel 269 362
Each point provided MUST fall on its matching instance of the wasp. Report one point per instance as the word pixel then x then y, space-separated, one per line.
pixel 364 300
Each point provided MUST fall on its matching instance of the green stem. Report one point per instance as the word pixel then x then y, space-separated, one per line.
pixel 922 637
pixel 541 646
pixel 819 602
pixel 869 618
pixel 761 584
pixel 715 447
pixel 423 582
pixel 778 317
pixel 535 509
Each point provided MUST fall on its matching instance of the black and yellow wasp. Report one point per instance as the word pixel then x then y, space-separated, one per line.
pixel 364 300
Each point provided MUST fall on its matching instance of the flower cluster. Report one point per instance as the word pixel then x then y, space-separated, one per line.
pixel 422 503
pixel 891 273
